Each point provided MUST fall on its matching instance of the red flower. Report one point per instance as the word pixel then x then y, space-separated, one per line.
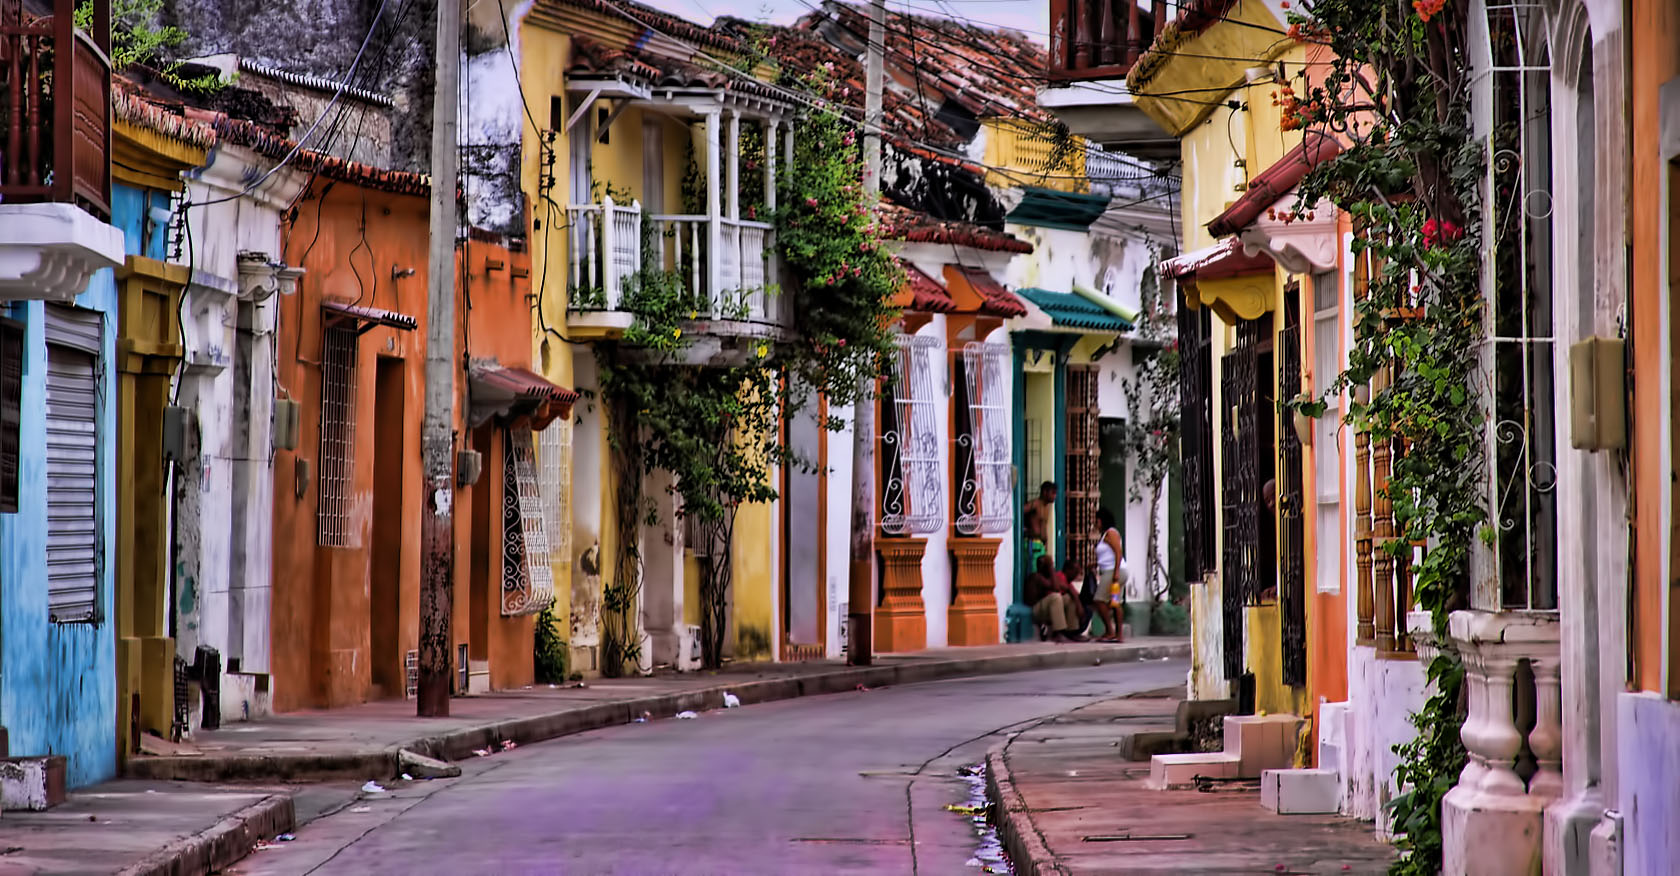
pixel 810 202
pixel 1427 9
pixel 1450 231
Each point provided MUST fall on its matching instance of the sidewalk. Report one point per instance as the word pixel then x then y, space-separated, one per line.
pixel 192 824
pixel 1065 802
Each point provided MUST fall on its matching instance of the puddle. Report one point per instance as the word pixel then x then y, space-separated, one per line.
pixel 989 856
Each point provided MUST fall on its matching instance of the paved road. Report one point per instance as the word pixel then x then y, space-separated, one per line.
pixel 850 783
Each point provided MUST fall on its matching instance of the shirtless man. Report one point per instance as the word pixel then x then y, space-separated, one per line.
pixel 1035 521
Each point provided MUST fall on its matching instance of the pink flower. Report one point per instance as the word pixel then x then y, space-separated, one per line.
pixel 810 202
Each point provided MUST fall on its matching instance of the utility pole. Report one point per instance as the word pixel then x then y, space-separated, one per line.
pixel 860 617
pixel 437 437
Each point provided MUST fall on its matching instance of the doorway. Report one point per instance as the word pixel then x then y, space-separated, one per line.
pixel 385 574
pixel 804 624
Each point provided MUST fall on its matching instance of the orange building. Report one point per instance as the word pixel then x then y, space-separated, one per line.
pixel 351 361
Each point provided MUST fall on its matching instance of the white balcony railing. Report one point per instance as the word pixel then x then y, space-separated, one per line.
pixel 607 250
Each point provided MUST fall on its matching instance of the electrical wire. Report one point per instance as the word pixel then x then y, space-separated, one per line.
pixel 337 94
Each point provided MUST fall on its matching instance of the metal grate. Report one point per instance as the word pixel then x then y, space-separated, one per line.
pixel 411 674
pixel 554 454
pixel 1292 590
pixel 983 503
pixel 1522 453
pixel 527 576
pixel 338 436
pixel 1196 438
pixel 912 500
pixel 1084 464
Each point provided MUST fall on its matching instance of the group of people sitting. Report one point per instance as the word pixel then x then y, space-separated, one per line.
pixel 1061 610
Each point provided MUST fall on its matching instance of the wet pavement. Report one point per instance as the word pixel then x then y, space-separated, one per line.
pixel 878 781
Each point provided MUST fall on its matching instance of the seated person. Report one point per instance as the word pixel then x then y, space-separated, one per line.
pixel 1055 606
pixel 1072 576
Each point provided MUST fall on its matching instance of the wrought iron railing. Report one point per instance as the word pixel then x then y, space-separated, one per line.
pixel 912 494
pixel 983 500
pixel 55 106
pixel 1101 39
pixel 1291 499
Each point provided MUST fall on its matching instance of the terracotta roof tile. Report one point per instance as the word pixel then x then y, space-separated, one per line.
pixel 902 223
pixel 129 105
pixel 266 142
pixel 1274 182
pixel 926 294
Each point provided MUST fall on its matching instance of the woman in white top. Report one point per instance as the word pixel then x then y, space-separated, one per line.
pixel 1111 576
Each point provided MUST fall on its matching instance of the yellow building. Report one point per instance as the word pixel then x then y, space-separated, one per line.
pixel 1219 85
pixel 636 152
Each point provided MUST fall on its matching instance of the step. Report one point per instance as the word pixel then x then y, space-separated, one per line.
pixel 1261 742
pixel 1180 770
pixel 1301 792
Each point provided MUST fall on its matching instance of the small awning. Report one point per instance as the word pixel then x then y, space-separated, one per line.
pixel 367 318
pixel 923 293
pixel 1226 258
pixel 1271 184
pixel 1067 310
pixel 514 394
pixel 977 283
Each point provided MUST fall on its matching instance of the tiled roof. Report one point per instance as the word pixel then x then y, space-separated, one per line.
pixel 664 22
pixel 266 142
pixel 902 223
pixel 1275 181
pixel 995 300
pixel 926 294
pixel 131 107
pixel 495 390
pixel 1073 311
pixel 1226 258
pixel 372 314
pixel 592 57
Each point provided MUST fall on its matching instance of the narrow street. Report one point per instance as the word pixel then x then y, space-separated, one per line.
pixel 846 783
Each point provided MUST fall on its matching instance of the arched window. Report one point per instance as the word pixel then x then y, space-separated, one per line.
pixel 1513 116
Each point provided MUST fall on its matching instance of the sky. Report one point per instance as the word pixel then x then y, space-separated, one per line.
pixel 1028 16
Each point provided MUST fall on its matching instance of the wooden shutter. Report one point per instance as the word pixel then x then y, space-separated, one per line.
pixel 73 540
pixel 1084 464
pixel 11 401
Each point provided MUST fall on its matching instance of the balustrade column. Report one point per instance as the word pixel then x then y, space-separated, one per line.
pixel 1365 631
pixel 1382 509
pixel 714 211
pixel 1546 739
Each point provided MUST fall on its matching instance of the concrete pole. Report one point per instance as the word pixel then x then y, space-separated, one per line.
pixel 860 611
pixel 437 437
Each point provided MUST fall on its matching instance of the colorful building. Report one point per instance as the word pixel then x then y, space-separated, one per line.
pixel 59 428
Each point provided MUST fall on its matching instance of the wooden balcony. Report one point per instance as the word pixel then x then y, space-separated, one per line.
pixel 55 105
pixel 1101 39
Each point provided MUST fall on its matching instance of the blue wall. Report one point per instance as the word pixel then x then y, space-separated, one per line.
pixel 58 681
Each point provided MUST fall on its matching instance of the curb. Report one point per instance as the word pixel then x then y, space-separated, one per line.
pixel 459 744
pixel 222 844
pixel 1020 837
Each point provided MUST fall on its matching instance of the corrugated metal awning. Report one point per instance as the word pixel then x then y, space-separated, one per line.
pixel 515 394
pixel 369 317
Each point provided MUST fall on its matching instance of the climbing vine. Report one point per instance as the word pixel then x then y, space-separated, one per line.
pixel 1152 412
pixel 138 39
pixel 712 421
pixel 1396 90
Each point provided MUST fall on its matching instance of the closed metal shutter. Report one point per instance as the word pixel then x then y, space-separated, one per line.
pixel 73 564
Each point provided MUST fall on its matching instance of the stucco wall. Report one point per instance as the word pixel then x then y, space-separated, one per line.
pixel 58 689
pixel 1649 793
pixel 1382 696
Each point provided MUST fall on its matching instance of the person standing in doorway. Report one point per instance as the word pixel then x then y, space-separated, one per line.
pixel 1111 576
pixel 1035 522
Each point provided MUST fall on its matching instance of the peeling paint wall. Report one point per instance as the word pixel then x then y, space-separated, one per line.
pixel 58 681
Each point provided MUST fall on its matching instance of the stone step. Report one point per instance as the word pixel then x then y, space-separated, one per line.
pixel 1180 770
pixel 1261 742
pixel 1301 792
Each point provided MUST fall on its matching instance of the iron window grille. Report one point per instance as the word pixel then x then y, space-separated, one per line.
pixel 1291 498
pixel 912 500
pixel 1196 437
pixel 554 453
pixel 338 435
pixel 983 503
pixel 527 576
pixel 1515 84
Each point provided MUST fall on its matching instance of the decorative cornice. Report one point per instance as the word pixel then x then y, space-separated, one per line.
pixel 260 278
pixel 48 252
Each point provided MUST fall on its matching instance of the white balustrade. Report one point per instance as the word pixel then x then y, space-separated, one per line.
pixel 1511 676
pixel 605 243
